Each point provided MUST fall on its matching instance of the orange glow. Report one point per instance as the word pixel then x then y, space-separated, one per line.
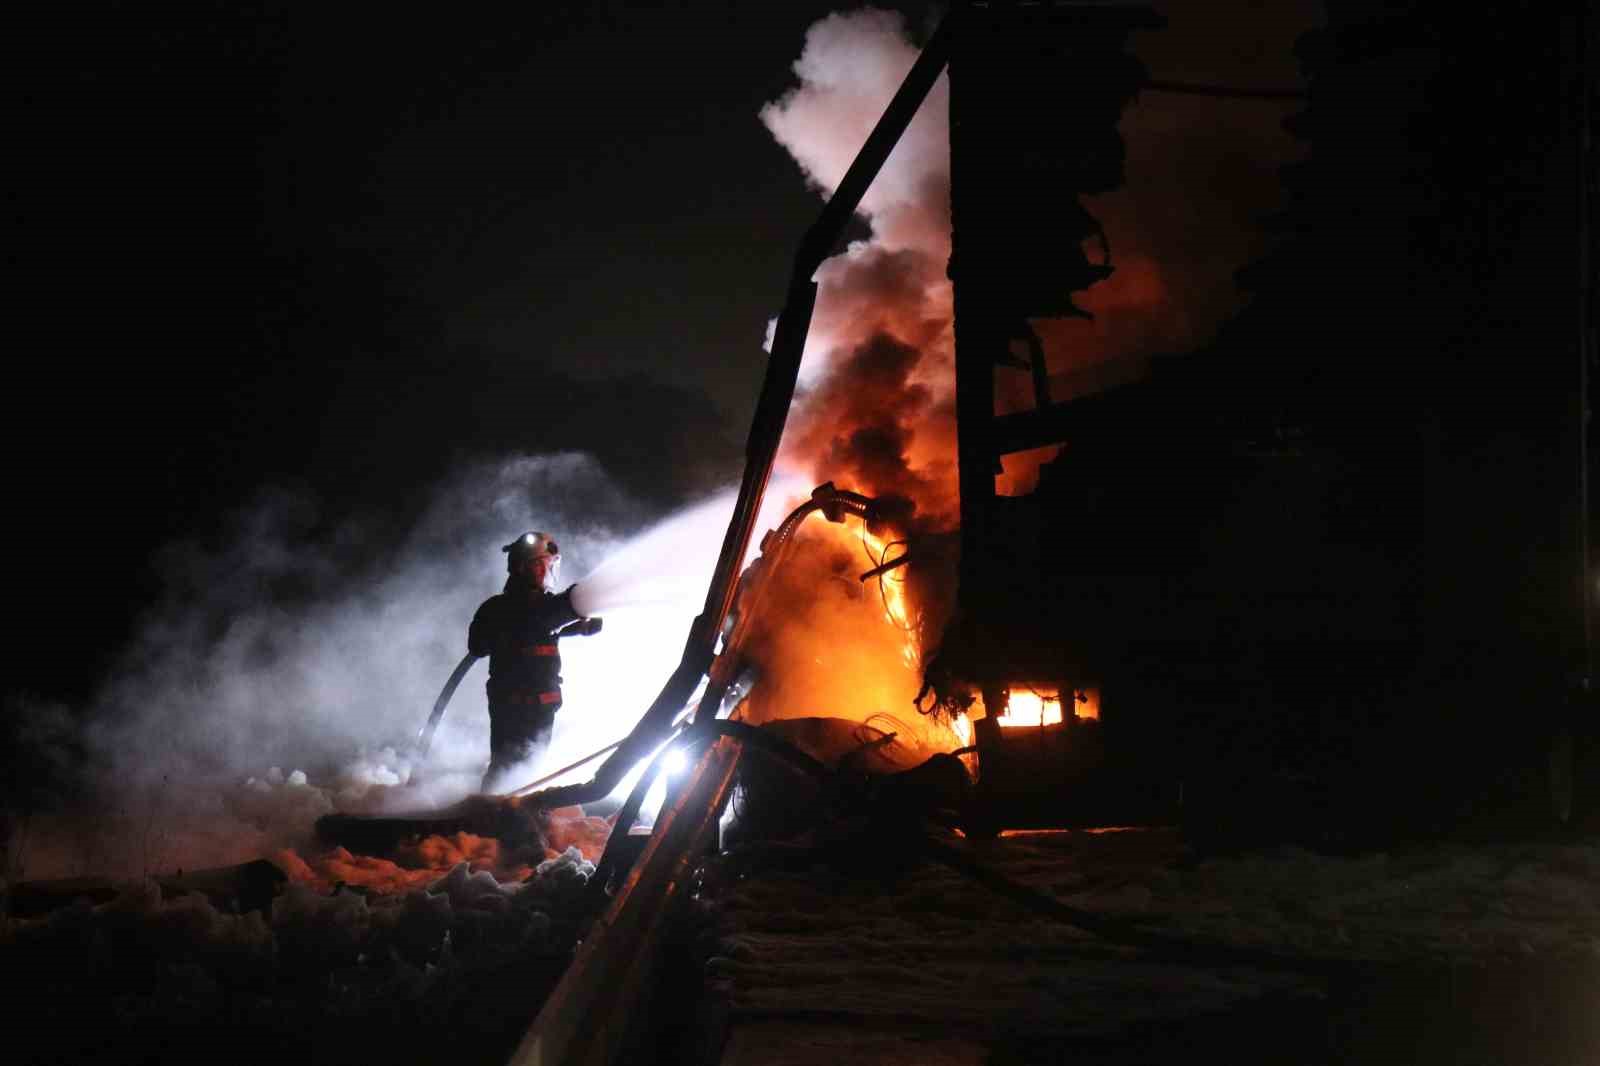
pixel 1026 707
pixel 1019 473
pixel 570 827
pixel 831 645
pixel 376 874
pixel 419 863
pixel 897 609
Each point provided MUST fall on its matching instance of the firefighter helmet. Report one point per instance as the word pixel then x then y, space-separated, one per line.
pixel 533 545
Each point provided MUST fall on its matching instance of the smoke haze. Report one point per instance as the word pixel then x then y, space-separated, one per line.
pixel 874 413
pixel 287 667
pixel 285 672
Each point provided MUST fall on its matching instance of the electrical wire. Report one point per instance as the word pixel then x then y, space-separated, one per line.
pixel 889 735
pixel 907 626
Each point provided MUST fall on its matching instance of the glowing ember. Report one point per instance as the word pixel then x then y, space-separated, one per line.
pixel 829 644
pixel 570 827
pixel 420 863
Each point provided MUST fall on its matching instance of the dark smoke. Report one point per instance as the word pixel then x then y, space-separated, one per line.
pixel 862 423
pixel 1200 174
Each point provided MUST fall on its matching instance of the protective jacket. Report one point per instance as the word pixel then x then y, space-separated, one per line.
pixel 518 630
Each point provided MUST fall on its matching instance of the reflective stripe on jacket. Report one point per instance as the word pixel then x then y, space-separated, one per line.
pixel 517 631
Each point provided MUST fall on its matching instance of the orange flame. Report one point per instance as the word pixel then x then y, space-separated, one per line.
pixel 1027 706
pixel 897 609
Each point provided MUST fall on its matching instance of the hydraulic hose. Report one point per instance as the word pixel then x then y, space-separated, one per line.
pixel 832 502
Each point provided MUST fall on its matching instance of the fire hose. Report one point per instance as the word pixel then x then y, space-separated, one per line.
pixel 834 504
pixel 425 734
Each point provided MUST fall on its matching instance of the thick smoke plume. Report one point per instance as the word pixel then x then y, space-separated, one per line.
pixel 288 667
pixel 877 413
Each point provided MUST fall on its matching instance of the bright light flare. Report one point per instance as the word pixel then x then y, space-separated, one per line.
pixel 668 768
pixel 674 762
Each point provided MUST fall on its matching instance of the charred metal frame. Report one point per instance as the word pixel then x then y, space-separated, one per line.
pixel 987 317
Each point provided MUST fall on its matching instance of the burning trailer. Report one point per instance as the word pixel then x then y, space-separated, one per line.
pixel 1000 284
pixel 1305 575
pixel 1232 595
pixel 1228 609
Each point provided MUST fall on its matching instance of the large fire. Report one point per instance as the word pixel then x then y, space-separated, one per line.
pixel 832 645
pixel 1027 705
pixel 875 413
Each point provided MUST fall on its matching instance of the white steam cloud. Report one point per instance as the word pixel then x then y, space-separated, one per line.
pixel 875 411
pixel 1198 173
pixel 286 671
pixel 849 70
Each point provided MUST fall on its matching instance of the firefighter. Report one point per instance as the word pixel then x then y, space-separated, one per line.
pixel 518 630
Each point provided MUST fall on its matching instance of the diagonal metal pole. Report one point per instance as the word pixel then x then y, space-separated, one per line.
pixel 766 428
